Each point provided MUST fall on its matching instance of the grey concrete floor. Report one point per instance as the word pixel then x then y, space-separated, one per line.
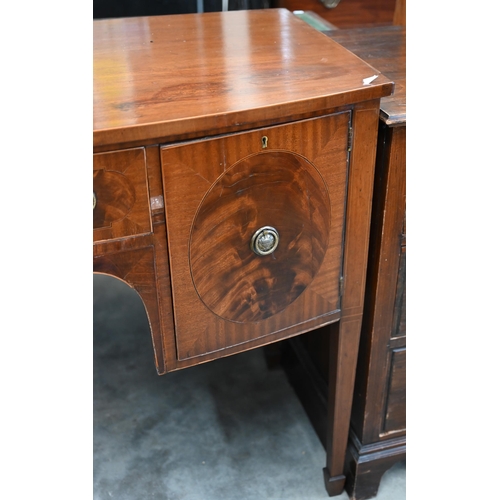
pixel 229 429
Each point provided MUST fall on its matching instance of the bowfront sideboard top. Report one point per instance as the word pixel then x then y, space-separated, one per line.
pixel 165 78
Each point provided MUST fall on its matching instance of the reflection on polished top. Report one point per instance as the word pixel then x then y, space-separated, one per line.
pixel 178 76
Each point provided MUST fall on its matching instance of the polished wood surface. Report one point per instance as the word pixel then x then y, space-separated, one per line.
pixel 197 94
pixel 162 78
pixel 121 195
pixel 378 421
pixel 378 436
pixel 344 343
pixel 258 190
pixel 399 18
pixel 385 49
pixel 218 193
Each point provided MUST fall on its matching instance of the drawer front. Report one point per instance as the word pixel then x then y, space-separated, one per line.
pixel 228 201
pixel 121 201
pixel 395 415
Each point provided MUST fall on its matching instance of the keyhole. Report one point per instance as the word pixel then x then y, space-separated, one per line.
pixel 264 142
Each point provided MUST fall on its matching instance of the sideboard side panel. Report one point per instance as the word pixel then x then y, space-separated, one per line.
pixel 386 250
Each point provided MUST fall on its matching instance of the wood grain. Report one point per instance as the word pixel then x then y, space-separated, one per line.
pixel 400 13
pixel 366 465
pixel 196 175
pixel 384 264
pixel 115 198
pixel 120 187
pixel 395 414
pixel 182 84
pixel 161 78
pixel 399 314
pixel 345 337
pixel 265 189
pixel 385 49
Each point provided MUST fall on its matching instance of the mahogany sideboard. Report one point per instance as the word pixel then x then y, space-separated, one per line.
pixel 378 423
pixel 234 158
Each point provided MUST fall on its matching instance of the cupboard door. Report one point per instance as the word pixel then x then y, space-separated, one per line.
pixel 255 226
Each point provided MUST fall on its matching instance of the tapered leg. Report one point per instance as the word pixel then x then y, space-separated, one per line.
pixel 343 355
pixel 344 342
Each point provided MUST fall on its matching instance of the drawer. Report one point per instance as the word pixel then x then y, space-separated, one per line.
pixel 395 415
pixel 121 200
pixel 255 228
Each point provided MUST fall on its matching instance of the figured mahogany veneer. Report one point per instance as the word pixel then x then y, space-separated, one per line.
pixel 218 193
pixel 207 128
pixel 121 195
pixel 229 278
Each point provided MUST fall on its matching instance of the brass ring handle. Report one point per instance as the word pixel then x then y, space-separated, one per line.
pixel 265 240
pixel 95 200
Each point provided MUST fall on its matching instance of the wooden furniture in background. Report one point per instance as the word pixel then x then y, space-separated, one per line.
pixel 347 14
pixel 378 437
pixel 378 423
pixel 399 18
pixel 234 158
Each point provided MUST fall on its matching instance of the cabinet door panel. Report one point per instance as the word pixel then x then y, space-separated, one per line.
pixel 218 194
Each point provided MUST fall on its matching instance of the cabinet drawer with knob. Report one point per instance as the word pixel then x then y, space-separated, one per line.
pixel 120 195
pixel 255 226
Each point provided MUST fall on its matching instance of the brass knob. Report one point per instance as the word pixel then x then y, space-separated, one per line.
pixel 95 200
pixel 265 240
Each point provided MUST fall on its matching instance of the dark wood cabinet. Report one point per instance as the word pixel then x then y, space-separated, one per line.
pixel 346 14
pixel 378 422
pixel 234 157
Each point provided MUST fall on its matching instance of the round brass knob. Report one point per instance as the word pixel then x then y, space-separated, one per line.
pixel 95 200
pixel 265 240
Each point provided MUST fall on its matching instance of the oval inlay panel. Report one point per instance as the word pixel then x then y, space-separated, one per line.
pixel 272 188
